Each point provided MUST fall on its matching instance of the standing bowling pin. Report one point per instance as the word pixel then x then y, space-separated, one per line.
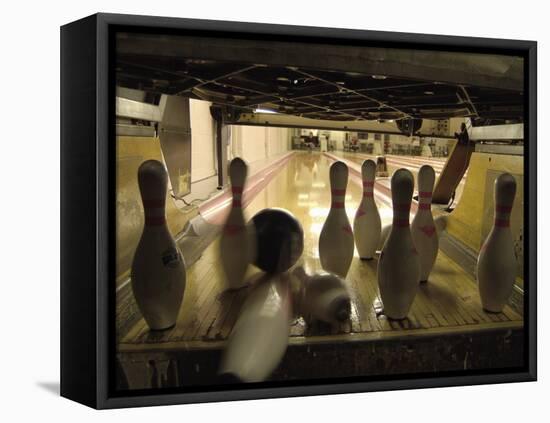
pixel 398 265
pixel 324 297
pixel 367 224
pixel 259 338
pixel 423 228
pixel 158 268
pixel 336 240
pixel 236 242
pixel 496 264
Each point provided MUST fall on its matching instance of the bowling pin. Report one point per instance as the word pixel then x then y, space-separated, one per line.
pixel 259 338
pixel 158 268
pixel 367 225
pixel 496 263
pixel 398 265
pixel 336 239
pixel 423 228
pixel 323 297
pixel 237 242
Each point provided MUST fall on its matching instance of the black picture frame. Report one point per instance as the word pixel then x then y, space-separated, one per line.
pixel 87 195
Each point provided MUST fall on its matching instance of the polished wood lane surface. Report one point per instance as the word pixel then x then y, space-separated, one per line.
pixel 449 302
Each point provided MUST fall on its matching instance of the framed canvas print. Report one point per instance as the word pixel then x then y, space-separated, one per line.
pixel 254 211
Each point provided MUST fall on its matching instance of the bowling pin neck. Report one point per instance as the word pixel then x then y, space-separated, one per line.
pixel 402 184
pixel 237 174
pixel 154 212
pixel 505 192
pixel 502 216
pixel 237 192
pixel 424 200
pixel 368 189
pixel 153 181
pixel 401 213
pixel 368 173
pixel 338 197
pixel 338 184
pixel 426 180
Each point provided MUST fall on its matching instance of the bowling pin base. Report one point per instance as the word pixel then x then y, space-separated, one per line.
pixel 396 319
pixel 160 329
pixel 229 378
pixel 492 311
pixel 238 288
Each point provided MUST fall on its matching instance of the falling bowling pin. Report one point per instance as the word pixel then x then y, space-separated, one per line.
pixel 336 239
pixel 324 297
pixel 367 224
pixel 237 244
pixel 259 338
pixel 496 263
pixel 423 228
pixel 158 268
pixel 398 265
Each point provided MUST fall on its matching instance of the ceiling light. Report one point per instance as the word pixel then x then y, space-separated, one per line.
pixel 429 92
pixel 260 110
pixel 379 76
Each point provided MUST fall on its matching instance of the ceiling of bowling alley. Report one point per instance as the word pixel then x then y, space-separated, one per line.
pixel 325 82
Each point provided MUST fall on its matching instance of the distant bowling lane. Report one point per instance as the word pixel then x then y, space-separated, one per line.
pixel 303 188
pixel 408 162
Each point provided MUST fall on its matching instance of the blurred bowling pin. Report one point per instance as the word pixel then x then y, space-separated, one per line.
pixel 367 225
pixel 423 228
pixel 259 338
pixel 324 297
pixel 237 243
pixel 158 268
pixel 336 240
pixel 399 266
pixel 496 264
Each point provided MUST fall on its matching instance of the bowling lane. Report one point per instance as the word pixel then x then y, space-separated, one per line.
pixel 449 301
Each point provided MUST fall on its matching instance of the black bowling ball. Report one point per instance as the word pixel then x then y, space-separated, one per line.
pixel 279 240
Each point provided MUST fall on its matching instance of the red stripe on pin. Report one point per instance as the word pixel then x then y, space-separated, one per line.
pixel 232 229
pixel 425 194
pixel 337 205
pixel 423 206
pixel 236 203
pixel 338 192
pixel 368 194
pixel 368 184
pixel 502 223
pixel 237 190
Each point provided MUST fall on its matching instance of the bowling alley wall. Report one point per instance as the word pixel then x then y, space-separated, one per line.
pixel 257 145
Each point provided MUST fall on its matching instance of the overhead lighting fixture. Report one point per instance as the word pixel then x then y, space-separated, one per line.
pixel 260 110
pixel 379 76
pixel 429 92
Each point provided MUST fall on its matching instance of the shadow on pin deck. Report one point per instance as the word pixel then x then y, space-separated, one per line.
pixel 284 211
